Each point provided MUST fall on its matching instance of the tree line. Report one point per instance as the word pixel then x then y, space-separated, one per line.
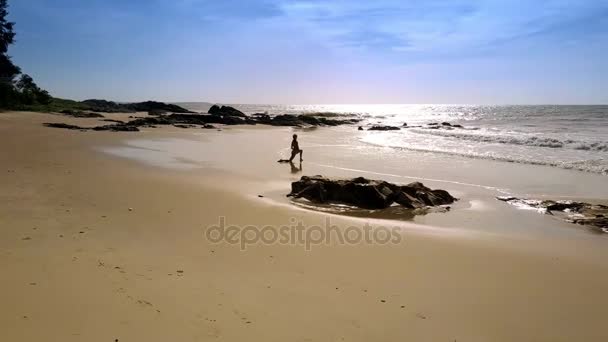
pixel 17 90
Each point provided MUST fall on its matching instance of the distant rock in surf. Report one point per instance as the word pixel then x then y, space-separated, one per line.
pixel 383 128
pixel 443 125
pixel 593 215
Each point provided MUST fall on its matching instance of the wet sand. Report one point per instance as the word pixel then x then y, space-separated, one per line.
pixel 99 247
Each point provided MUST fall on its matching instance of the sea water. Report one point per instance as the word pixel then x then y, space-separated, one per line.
pixel 569 137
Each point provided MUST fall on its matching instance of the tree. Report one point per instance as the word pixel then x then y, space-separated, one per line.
pixel 25 83
pixel 43 97
pixel 28 89
pixel 24 91
pixel 8 70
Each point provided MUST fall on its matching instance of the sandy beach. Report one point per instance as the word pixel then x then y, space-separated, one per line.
pixel 102 238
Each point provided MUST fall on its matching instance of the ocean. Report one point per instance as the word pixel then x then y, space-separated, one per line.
pixel 568 137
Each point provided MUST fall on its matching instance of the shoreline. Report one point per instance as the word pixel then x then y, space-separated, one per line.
pixel 119 278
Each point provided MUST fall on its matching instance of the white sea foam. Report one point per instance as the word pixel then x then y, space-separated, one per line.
pixel 513 139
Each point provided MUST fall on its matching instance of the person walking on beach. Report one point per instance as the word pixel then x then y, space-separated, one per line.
pixel 295 148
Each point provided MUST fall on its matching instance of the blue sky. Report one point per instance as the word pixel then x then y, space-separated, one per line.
pixel 312 51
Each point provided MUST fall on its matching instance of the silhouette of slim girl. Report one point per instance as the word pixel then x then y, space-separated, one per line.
pixel 295 148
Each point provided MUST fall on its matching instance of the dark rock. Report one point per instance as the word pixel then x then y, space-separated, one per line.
pixel 299 120
pixel 262 118
pixel 383 128
pixel 591 215
pixel 360 128
pixel 221 115
pixel 215 109
pixel 183 126
pixel 117 128
pixel 368 194
pixel 443 125
pixel 321 121
pixel 63 125
pixel 106 106
pixel 404 124
pixel 149 121
pixel 336 122
pixel 310 120
pixel 225 111
pixel 153 106
pixel 115 121
pixel 156 112
pixel 80 114
pixel 286 120
pixel 202 119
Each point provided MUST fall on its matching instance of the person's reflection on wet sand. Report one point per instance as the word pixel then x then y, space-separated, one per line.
pixel 295 169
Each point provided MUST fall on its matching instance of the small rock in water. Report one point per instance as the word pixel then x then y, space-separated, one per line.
pixel 591 215
pixel 383 128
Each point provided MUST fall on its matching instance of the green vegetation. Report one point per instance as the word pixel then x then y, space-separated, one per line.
pixel 16 92
pixel 54 105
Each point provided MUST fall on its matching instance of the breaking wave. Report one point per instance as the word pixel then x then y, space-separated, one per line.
pixel 518 140
pixel 599 165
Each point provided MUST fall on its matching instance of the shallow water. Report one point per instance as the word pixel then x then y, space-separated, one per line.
pixel 570 137
pixel 340 152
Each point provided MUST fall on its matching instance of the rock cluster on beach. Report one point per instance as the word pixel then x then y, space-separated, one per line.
pixel 224 115
pixel 168 114
pixel 432 125
pixel 591 215
pixel 368 194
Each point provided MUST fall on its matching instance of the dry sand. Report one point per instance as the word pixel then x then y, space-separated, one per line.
pixel 78 265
